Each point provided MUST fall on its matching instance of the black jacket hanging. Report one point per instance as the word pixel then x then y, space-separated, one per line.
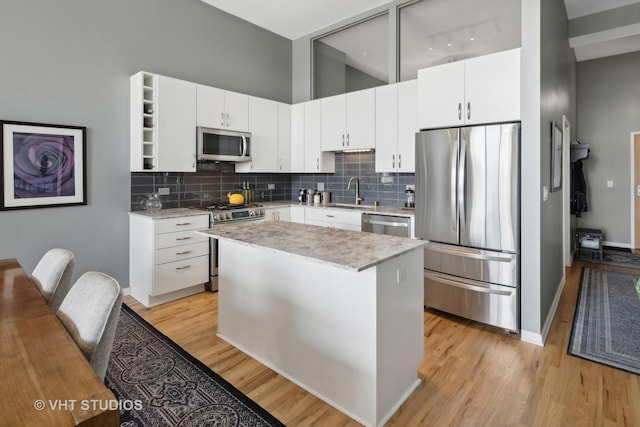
pixel 579 189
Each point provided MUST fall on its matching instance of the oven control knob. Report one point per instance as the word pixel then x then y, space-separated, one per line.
pixel 228 215
pixel 215 218
pixel 252 213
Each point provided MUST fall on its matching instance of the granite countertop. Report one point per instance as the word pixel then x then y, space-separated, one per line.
pixel 169 213
pixel 383 210
pixel 350 250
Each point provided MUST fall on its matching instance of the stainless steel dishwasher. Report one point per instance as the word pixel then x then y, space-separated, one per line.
pixel 392 225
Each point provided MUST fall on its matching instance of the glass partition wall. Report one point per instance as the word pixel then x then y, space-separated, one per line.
pixel 424 33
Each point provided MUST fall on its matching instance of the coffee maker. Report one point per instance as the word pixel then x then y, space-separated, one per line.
pixel 302 196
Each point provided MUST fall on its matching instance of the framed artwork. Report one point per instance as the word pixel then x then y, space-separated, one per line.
pixel 556 157
pixel 42 165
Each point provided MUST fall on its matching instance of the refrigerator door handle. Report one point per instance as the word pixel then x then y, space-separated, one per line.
pixel 435 247
pixel 452 177
pixel 470 285
pixel 461 182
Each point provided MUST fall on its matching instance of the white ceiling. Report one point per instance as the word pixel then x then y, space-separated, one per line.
pixel 296 18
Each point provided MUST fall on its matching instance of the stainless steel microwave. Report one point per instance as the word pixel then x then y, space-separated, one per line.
pixel 222 145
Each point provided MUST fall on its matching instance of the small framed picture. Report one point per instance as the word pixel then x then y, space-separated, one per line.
pixel 42 165
pixel 556 157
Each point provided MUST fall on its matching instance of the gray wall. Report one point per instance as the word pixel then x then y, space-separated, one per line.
pixel 69 63
pixel 548 92
pixel 608 111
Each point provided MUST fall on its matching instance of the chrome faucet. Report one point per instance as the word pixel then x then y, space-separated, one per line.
pixel 358 198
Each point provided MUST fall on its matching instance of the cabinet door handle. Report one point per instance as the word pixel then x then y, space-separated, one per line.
pixel 183 253
pixel 343 139
pixel 227 119
pixel 318 163
pixel 181 224
pixel 184 267
pixel 280 165
pixel 183 238
pixel 399 161
pixel 193 164
pixel 393 161
pixel 221 119
pixel 459 111
pixel 468 110
pixel 331 216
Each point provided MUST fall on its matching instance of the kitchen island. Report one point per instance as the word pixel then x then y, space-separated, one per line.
pixel 338 312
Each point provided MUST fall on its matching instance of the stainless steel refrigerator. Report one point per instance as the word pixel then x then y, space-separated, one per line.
pixel 467 207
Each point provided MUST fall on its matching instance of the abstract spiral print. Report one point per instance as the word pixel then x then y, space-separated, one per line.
pixel 43 165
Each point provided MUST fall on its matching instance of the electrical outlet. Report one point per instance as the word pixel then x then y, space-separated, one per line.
pixel 164 191
pixel 321 186
pixel 271 186
pixel 401 274
pixel 610 183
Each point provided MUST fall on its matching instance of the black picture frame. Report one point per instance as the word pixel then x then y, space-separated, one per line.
pixel 43 165
pixel 556 157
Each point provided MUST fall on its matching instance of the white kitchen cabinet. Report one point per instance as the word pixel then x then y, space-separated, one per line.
pixel 278 214
pixel 263 125
pixel 335 218
pixel 348 121
pixel 162 124
pixel 296 213
pixel 270 127
pixel 167 259
pixel 315 160
pixel 485 89
pixel 284 138
pixel 222 109
pixel 297 138
pixel 396 125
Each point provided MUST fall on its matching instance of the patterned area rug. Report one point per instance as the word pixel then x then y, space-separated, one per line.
pixel 605 328
pixel 160 384
pixel 612 257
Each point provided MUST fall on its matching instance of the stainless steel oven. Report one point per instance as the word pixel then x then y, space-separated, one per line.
pixel 220 214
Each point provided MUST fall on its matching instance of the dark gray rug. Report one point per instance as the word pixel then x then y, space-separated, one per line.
pixel 160 384
pixel 606 324
pixel 612 257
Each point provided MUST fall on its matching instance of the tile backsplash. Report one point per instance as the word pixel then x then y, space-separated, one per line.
pixel 212 182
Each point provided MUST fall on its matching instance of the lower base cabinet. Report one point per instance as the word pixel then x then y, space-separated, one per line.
pixel 167 258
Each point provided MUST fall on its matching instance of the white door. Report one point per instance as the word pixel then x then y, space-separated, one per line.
pixel 210 107
pixel 441 96
pixel 176 125
pixel 284 138
pixel 361 118
pixel 263 125
pixel 297 137
pixel 334 123
pixel 386 128
pixel 492 88
pixel 236 111
pixel 407 126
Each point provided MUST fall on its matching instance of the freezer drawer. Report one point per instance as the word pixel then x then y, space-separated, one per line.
pixel 474 264
pixel 487 303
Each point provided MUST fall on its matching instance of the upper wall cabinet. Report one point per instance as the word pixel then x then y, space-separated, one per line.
pixel 348 121
pixel 396 126
pixel 222 109
pixel 270 127
pixel 315 159
pixel 485 89
pixel 163 125
pixel 297 138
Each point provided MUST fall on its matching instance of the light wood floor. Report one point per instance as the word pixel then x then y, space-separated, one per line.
pixel 473 375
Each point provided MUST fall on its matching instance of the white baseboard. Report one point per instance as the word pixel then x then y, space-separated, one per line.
pixel 126 291
pixel 616 244
pixel 540 338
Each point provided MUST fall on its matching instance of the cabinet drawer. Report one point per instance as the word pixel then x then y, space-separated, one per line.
pixel 180 238
pixel 178 253
pixel 334 216
pixel 180 274
pixel 170 225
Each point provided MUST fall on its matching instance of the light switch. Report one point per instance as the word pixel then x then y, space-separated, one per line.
pixel 638 191
pixel 610 183
pixel 545 193
pixel 321 186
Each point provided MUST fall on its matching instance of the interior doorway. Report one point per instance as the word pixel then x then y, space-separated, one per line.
pixel 635 190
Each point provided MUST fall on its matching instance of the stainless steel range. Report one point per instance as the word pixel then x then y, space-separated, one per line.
pixel 225 213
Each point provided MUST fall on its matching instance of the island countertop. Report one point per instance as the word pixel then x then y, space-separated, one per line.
pixel 350 250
